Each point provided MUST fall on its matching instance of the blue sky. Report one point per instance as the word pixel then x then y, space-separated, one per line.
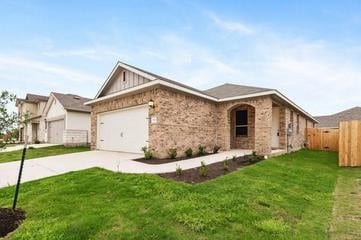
pixel 309 50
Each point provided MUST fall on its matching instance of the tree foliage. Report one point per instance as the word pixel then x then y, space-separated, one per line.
pixel 8 119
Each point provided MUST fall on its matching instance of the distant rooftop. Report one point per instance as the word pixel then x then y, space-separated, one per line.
pixel 233 90
pixel 73 102
pixel 334 119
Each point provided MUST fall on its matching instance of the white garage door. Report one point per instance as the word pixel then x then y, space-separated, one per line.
pixel 55 131
pixel 125 130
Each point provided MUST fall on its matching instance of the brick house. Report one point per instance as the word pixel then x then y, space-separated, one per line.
pixel 136 108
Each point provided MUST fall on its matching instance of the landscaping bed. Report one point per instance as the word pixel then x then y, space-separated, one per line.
pixel 197 175
pixel 10 220
pixel 155 161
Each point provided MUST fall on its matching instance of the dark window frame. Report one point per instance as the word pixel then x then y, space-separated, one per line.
pixel 241 124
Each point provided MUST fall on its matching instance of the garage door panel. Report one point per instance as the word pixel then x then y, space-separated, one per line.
pixel 55 131
pixel 125 130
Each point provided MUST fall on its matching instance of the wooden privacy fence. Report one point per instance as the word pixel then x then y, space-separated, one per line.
pixel 346 140
pixel 350 144
pixel 325 139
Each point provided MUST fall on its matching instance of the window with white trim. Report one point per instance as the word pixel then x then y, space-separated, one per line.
pixel 241 123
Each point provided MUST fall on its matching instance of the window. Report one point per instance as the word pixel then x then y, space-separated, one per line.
pixel 298 123
pixel 124 76
pixel 242 123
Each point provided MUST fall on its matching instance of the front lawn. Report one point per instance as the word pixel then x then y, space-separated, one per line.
pixel 40 152
pixel 288 197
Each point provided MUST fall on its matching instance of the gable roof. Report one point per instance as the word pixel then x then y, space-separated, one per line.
pixel 143 73
pixel 333 120
pixel 232 90
pixel 72 102
pixel 221 93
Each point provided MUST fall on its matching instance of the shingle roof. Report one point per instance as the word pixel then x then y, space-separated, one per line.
pixel 334 119
pixel 73 102
pixel 36 98
pixel 233 90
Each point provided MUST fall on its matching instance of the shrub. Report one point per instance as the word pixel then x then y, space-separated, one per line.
pixel 179 170
pixel 234 158
pixel 226 165
pixel 203 171
pixel 216 148
pixel 148 153
pixel 37 142
pixel 189 152
pixel 201 150
pixel 172 153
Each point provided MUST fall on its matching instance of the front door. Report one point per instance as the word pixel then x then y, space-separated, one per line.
pixel 275 127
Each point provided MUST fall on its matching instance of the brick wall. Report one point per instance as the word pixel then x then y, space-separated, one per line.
pixel 263 122
pixel 185 121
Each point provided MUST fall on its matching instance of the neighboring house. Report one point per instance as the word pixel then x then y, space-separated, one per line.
pixel 333 121
pixel 136 108
pixel 32 106
pixel 67 119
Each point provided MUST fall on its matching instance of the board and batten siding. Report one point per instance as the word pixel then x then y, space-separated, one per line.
pixel 124 79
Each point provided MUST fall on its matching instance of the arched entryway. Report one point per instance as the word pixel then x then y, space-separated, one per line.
pixel 242 127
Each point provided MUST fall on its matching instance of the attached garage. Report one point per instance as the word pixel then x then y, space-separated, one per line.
pixel 124 130
pixel 55 131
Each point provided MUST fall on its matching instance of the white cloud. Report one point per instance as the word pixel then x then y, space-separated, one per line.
pixel 97 53
pixel 231 26
pixel 321 76
pixel 25 64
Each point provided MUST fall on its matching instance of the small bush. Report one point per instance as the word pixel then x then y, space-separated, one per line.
pixel 172 153
pixel 226 165
pixel 148 153
pixel 189 152
pixel 179 170
pixel 203 171
pixel 37 142
pixel 201 150
pixel 216 149
pixel 234 158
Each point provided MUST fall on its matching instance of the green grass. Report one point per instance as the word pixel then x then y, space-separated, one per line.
pixel 346 222
pixel 288 197
pixel 40 152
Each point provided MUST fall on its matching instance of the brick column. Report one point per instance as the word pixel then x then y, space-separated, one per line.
pixel 263 127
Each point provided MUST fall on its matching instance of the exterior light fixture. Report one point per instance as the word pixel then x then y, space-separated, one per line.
pixel 151 103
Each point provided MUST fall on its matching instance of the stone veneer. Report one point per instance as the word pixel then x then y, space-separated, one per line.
pixel 72 138
pixel 185 121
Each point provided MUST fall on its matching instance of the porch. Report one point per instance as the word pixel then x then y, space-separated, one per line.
pixel 258 127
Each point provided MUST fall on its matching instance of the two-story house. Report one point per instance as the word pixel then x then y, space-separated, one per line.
pixel 31 108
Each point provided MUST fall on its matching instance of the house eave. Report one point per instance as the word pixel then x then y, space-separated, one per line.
pixel 189 91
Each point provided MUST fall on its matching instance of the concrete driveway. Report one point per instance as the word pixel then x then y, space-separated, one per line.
pixel 114 161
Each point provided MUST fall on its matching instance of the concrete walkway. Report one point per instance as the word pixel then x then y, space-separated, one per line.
pixel 114 161
pixel 19 147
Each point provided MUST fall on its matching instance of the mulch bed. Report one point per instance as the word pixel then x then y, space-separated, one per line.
pixel 10 220
pixel 155 161
pixel 213 170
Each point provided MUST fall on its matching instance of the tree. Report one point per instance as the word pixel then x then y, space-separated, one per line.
pixel 8 119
